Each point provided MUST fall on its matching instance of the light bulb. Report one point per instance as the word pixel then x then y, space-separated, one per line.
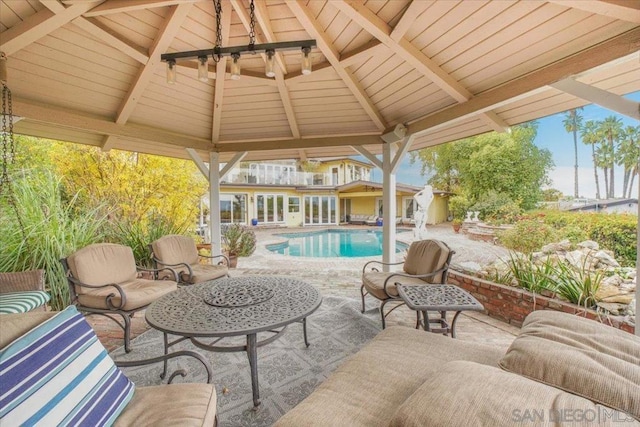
pixel 171 71
pixel 306 61
pixel 235 66
pixel 203 69
pixel 269 66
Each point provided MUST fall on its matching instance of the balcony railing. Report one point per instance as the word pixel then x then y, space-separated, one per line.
pixel 247 176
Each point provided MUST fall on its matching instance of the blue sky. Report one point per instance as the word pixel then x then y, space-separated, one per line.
pixel 552 136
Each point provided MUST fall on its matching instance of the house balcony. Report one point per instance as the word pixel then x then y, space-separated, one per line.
pixel 288 178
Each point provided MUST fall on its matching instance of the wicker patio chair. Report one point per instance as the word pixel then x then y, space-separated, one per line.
pixel 104 279
pixel 22 291
pixel 181 255
pixel 427 262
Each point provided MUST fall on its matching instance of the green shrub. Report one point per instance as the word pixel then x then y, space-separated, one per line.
pixel 531 276
pixel 54 226
pixel 458 206
pixel 527 236
pixel 497 207
pixel 139 234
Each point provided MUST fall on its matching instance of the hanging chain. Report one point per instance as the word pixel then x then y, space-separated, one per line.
pixel 217 6
pixel 252 30
pixel 8 154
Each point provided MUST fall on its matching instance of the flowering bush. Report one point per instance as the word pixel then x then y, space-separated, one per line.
pixel 527 236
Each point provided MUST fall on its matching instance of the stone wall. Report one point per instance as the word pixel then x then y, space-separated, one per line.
pixel 512 305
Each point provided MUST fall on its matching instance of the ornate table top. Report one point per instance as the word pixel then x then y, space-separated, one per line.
pixel 233 306
pixel 438 298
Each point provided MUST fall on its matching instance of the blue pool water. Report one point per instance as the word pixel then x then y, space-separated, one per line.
pixel 333 243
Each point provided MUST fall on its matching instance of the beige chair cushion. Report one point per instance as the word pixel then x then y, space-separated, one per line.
pixel 373 282
pixel 102 264
pixel 580 356
pixel 367 389
pixel 465 393
pixel 175 249
pixel 179 405
pixel 426 256
pixel 139 292
pixel 204 272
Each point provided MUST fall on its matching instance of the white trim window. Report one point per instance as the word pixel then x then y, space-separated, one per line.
pixel 233 208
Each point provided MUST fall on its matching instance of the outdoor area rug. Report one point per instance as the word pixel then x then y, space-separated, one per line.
pixel 287 370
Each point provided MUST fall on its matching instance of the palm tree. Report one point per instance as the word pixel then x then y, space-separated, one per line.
pixel 628 155
pixel 589 136
pixel 611 129
pixel 572 123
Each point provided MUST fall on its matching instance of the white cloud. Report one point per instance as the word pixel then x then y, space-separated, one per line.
pixel 562 179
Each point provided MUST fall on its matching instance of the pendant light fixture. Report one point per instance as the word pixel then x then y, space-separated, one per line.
pixel 236 52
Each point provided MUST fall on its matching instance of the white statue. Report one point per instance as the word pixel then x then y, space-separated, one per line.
pixel 475 216
pixel 469 213
pixel 423 198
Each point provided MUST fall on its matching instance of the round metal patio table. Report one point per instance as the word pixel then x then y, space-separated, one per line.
pixel 231 307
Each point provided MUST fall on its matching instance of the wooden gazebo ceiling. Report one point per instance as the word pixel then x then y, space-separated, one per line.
pixel 90 72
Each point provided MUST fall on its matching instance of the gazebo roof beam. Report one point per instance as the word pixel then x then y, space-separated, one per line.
pixel 304 15
pixel 279 77
pixel 110 7
pixel 368 20
pixel 536 81
pixel 624 10
pixel 39 25
pixel 221 66
pixel 58 116
pixel 166 33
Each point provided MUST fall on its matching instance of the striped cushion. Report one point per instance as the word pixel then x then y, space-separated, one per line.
pixel 21 302
pixel 59 374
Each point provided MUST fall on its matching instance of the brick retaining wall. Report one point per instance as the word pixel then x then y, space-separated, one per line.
pixel 512 305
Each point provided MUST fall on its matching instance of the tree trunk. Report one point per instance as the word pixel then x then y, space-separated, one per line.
pixel 625 181
pixel 607 189
pixel 612 189
pixel 633 175
pixel 576 193
pixel 595 170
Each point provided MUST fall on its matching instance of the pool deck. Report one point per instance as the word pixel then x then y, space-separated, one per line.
pixel 340 276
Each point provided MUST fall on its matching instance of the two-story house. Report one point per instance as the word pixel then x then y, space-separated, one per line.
pixel 322 192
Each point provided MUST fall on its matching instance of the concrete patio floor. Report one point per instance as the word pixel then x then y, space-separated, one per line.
pixel 341 277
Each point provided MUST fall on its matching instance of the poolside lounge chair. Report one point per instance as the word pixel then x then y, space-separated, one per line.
pixel 427 262
pixel 104 279
pixel 181 255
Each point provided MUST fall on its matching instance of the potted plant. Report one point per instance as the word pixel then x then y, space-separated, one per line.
pixel 238 241
pixel 456 223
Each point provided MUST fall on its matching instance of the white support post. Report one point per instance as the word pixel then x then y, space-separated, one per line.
pixel 637 331
pixel 388 205
pixel 601 97
pixel 214 203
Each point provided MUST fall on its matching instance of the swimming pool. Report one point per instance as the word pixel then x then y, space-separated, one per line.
pixel 333 243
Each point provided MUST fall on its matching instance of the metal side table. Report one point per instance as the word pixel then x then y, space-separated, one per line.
pixel 441 298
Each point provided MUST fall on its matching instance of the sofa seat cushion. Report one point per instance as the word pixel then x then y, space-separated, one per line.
pixel 58 373
pixel 204 272
pixel 373 282
pixel 367 389
pixel 21 302
pixel 183 405
pixel 598 362
pixel 139 292
pixel 465 393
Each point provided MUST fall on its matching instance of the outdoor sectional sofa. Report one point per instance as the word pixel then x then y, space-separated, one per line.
pixel 54 371
pixel 561 369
